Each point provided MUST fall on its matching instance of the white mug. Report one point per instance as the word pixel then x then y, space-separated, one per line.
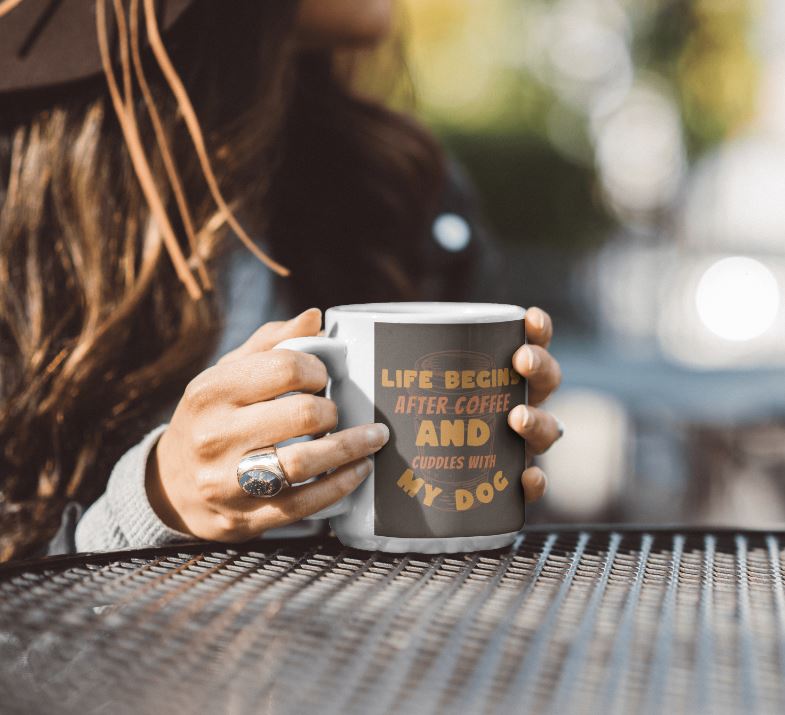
pixel 440 376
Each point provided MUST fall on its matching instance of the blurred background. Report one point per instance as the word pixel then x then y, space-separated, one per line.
pixel 629 156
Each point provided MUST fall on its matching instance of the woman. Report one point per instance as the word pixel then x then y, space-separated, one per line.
pixel 101 335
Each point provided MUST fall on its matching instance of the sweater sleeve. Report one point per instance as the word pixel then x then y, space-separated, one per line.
pixel 122 517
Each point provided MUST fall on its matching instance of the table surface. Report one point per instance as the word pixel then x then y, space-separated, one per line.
pixel 592 621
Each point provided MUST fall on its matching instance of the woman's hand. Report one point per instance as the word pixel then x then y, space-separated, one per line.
pixel 537 427
pixel 227 412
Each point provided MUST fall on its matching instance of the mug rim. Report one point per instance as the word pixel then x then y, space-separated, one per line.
pixel 431 312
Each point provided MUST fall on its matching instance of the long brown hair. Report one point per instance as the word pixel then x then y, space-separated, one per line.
pixel 97 334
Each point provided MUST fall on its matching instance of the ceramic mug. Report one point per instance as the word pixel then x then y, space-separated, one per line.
pixel 440 376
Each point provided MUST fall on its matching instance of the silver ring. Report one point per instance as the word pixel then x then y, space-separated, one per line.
pixel 261 474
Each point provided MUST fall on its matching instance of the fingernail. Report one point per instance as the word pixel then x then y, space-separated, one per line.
pixel 363 469
pixel 377 435
pixel 308 310
pixel 530 358
pixel 533 359
pixel 520 416
pixel 540 480
pixel 538 319
pixel 560 427
pixel 537 488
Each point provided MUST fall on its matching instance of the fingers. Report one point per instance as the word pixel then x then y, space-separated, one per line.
pixel 270 334
pixel 541 370
pixel 299 502
pixel 539 428
pixel 534 484
pixel 256 377
pixel 539 327
pixel 304 460
pixel 274 421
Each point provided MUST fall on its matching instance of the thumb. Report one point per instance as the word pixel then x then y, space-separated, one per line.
pixel 270 334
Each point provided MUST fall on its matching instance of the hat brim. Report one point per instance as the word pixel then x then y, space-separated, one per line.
pixel 44 43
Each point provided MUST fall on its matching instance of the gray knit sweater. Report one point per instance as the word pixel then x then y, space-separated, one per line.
pixel 122 517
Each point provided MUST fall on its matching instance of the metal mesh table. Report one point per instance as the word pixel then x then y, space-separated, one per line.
pixel 589 621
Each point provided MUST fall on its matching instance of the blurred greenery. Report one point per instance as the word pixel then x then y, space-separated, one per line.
pixel 530 192
pixel 490 82
pixel 716 72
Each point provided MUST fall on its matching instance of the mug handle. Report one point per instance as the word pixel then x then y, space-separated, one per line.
pixel 332 352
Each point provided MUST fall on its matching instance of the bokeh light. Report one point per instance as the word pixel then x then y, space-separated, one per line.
pixel 736 197
pixel 722 312
pixel 639 151
pixel 451 232
pixel 737 298
pixel 592 458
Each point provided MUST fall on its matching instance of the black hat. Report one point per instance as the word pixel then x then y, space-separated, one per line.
pixel 44 43
pixel 50 42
